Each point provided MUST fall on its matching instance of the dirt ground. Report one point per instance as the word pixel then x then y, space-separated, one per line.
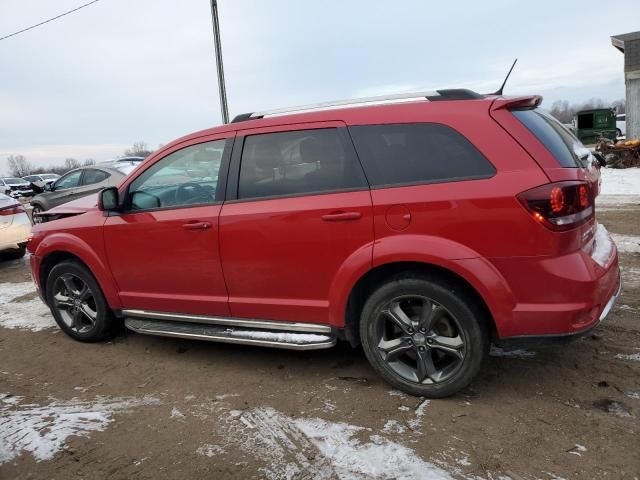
pixel 148 407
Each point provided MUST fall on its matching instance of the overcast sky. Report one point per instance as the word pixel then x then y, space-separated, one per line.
pixel 94 82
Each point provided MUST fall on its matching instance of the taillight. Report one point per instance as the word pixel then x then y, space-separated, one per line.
pixel 12 210
pixel 560 206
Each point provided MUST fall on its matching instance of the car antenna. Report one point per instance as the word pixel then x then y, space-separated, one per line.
pixel 499 91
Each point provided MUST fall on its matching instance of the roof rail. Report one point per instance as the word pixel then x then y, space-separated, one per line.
pixel 433 95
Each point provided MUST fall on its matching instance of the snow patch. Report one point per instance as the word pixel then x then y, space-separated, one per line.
pixel 393 426
pixel 518 353
pixel 209 450
pixel 30 314
pixel 42 430
pixel 620 181
pixel 378 457
pixel 627 243
pixel 630 356
pixel 603 246
pixel 175 413
pixel 634 395
pixel 578 450
pixel 314 448
pixel 280 336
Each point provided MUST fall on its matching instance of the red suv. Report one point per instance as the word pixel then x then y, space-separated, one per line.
pixel 422 228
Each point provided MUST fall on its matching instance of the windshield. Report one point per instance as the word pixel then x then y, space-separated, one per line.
pixel 49 176
pixel 559 140
pixel 14 180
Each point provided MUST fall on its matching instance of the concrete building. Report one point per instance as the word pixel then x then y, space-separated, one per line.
pixel 629 45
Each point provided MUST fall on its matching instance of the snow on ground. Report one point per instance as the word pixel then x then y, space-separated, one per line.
pixel 631 356
pixel 42 430
pixel 624 181
pixel 626 243
pixel 376 457
pixel 20 307
pixel 307 447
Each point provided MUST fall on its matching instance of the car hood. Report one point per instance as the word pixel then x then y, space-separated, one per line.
pixel 75 207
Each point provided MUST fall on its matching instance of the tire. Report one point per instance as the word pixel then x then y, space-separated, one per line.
pixel 433 362
pixel 81 313
pixel 36 208
pixel 14 254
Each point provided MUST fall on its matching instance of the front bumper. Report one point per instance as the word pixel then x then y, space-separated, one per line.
pixel 20 193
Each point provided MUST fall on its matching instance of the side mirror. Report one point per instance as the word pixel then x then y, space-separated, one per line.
pixel 108 199
pixel 144 201
pixel 48 187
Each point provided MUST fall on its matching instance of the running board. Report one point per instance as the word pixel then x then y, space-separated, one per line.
pixel 231 322
pixel 226 334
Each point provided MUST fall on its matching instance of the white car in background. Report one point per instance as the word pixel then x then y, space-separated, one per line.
pixel 15 187
pixel 621 124
pixel 15 228
pixel 42 179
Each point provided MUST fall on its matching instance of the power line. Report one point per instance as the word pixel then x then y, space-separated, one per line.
pixel 48 20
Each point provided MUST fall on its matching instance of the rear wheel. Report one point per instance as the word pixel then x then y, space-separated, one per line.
pixel 77 303
pixel 423 335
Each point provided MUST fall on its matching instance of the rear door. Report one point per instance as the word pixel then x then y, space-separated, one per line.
pixel 163 249
pixel 298 207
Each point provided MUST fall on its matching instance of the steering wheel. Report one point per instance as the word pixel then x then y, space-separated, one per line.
pixel 189 191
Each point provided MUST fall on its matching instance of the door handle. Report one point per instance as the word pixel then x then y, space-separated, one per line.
pixel 196 226
pixel 341 216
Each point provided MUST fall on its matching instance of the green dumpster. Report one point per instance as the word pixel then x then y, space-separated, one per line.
pixel 593 124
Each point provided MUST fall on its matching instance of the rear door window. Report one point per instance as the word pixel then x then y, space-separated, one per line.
pixel 92 176
pixel 415 153
pixel 563 145
pixel 297 162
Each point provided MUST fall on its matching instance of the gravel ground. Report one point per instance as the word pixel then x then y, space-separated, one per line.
pixel 143 407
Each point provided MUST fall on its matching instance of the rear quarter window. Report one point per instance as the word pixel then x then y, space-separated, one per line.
pixel 415 153
pixel 554 136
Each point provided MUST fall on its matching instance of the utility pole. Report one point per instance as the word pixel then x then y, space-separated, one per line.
pixel 216 39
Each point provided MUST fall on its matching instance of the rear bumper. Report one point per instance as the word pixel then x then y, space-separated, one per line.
pixel 562 296
pixel 16 234
pixel 542 340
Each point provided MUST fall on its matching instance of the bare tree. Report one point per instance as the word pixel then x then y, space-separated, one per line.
pixel 88 162
pixel 563 111
pixel 19 166
pixel 71 163
pixel 139 149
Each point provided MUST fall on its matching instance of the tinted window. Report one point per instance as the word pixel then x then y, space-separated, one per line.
pixel 186 177
pixel 417 153
pixel 563 145
pixel 293 163
pixel 70 180
pixel 92 176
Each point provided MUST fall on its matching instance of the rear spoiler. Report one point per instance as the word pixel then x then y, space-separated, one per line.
pixel 516 103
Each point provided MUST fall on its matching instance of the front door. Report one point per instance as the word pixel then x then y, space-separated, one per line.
pixel 163 249
pixel 298 208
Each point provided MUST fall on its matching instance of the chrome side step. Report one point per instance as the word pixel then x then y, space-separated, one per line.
pixel 232 322
pixel 225 334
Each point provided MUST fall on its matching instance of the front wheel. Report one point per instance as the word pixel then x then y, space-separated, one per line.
pixel 423 335
pixel 77 303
